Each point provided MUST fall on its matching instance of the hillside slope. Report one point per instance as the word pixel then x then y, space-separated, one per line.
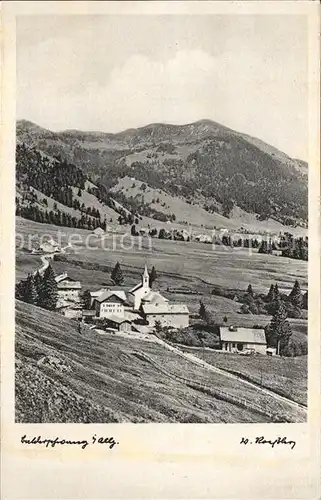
pixel 65 376
pixel 204 163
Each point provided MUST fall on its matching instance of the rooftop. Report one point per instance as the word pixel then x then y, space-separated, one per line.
pixel 154 298
pixel 117 319
pixel 69 285
pixel 165 308
pixel 109 293
pixel 240 334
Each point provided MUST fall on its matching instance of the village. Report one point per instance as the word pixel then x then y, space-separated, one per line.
pixel 140 310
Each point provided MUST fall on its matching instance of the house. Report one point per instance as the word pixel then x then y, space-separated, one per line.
pixel 99 231
pixel 238 339
pixel 110 303
pixel 118 323
pixel 203 238
pixel 94 295
pixel 68 288
pixel 48 248
pixel 68 309
pixel 88 315
pixel 174 315
pixel 140 290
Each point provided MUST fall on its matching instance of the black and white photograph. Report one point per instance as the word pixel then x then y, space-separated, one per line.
pixel 161 212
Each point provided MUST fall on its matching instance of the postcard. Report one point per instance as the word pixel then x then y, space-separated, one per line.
pixel 160 264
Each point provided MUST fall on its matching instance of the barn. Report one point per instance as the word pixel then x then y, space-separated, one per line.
pixel 118 323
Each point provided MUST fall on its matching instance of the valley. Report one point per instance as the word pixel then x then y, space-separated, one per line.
pixel 160 196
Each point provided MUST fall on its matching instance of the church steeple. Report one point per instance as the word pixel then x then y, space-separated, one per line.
pixel 146 278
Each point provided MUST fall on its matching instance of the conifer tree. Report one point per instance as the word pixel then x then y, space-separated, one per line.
pixel 117 274
pixel 250 290
pixel 270 295
pixel 279 330
pixel 20 290
pixel 296 295
pixel 152 276
pixel 203 311
pixel 48 295
pixel 31 295
pixel 158 327
pixel 37 280
pixel 305 301
pixel 86 300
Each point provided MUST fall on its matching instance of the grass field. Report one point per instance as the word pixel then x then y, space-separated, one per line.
pixel 287 376
pixel 191 264
pixel 64 376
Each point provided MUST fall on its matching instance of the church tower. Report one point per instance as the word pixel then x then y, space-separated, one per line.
pixel 145 281
pixel 141 290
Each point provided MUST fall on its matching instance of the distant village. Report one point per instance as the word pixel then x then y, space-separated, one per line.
pixel 282 244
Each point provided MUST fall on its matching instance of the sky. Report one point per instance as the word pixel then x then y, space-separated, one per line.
pixel 111 73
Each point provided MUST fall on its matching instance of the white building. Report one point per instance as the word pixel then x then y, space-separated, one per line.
pixel 68 288
pixel 174 315
pixel 238 339
pixel 141 290
pixel 48 248
pixel 110 303
pixel 153 297
pixel 99 231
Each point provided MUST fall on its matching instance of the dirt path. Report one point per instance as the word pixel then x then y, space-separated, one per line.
pixel 45 263
pixel 194 359
pixel 45 259
pixel 207 366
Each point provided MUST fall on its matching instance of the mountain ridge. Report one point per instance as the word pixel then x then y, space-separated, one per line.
pixel 202 162
pixel 136 130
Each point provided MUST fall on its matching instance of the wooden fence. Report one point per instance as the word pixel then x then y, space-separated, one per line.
pixel 218 393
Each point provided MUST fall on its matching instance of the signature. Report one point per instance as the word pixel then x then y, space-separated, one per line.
pixel 82 443
pixel 271 442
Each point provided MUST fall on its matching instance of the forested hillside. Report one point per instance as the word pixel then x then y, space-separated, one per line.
pixel 203 163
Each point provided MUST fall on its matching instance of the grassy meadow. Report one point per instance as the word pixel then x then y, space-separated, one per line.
pixel 105 381
pixel 286 376
pixel 66 376
pixel 191 264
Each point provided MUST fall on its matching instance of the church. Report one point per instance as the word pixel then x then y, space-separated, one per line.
pixel 155 307
pixel 139 302
pixel 140 290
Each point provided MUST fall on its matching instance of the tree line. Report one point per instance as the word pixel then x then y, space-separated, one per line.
pixel 40 290
pixel 57 217
pixel 52 176
pixel 289 246
pixel 295 302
